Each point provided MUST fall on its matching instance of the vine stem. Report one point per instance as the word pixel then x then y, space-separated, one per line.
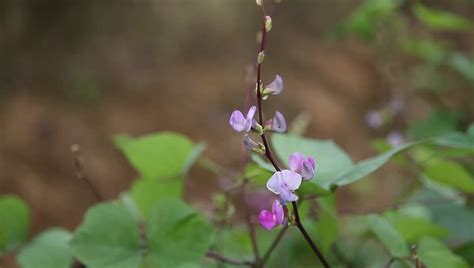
pixel 270 157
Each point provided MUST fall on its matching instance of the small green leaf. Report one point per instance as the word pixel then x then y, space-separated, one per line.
pixel 326 227
pixel 161 155
pixel 434 254
pixel 108 237
pixel 147 192
pixel 440 20
pixel 14 222
pixel 463 64
pixel 414 228
pixel 50 249
pixel 177 235
pixel 364 168
pixel 456 140
pixel 330 159
pixel 436 124
pixel 388 235
pixel 449 173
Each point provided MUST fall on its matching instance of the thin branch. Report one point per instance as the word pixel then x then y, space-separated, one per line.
pixel 222 259
pixel 390 262
pixel 248 220
pixel 268 153
pixel 272 247
pixel 76 152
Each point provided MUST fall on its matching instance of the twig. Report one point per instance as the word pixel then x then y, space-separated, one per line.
pixel 272 246
pixel 268 153
pixel 222 259
pixel 250 225
pixel 76 152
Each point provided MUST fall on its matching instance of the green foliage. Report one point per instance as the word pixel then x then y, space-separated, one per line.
pixel 440 20
pixel 50 249
pixel 14 222
pixel 330 159
pixel 436 124
pixel 435 254
pixel 177 235
pixel 108 237
pixel 161 155
pixel 429 50
pixel 388 236
pixel 365 167
pixel 464 65
pixel 414 228
pixel 364 19
pixel 145 193
pixel 449 173
pixel 327 227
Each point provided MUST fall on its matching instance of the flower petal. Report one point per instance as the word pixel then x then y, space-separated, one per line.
pixel 237 121
pixel 287 196
pixel 307 171
pixel 277 210
pixel 267 219
pixel 290 180
pixel 278 123
pixel 296 161
pixel 274 183
pixel 275 87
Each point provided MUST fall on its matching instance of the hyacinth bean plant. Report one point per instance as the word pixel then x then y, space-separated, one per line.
pixel 284 192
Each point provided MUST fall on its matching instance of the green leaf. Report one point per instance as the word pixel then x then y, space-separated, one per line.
pixel 434 254
pixel 364 19
pixel 448 211
pixel 147 192
pixel 364 168
pixel 330 159
pixel 50 249
pixel 429 50
pixel 438 123
pixel 456 140
pixel 326 228
pixel 388 235
pixel 449 173
pixel 440 20
pixel 256 174
pixel 177 235
pixel 463 64
pixel 415 228
pixel 161 155
pixel 108 237
pixel 14 222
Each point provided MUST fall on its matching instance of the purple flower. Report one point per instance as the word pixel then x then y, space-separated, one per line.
pixel 268 219
pixel 302 165
pixel 252 145
pixel 395 138
pixel 284 183
pixel 374 119
pixel 277 123
pixel 275 87
pixel 239 122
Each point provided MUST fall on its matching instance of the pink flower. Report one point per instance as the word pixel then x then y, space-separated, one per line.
pixel 275 87
pixel 284 183
pixel 268 219
pixel 239 122
pixel 301 165
pixel 277 123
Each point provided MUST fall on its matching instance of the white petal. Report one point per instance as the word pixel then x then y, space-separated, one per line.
pixel 291 179
pixel 274 183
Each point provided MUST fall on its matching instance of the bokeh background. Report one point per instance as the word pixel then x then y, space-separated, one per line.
pixel 80 72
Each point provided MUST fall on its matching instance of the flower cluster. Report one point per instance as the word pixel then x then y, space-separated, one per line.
pixel 283 183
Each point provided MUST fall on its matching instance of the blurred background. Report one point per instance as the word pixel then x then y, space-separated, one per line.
pixel 80 72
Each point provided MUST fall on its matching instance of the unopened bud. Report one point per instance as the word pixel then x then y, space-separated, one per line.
pixel 268 23
pixel 261 57
pixel 259 2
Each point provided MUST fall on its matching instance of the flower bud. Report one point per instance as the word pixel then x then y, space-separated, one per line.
pixel 278 123
pixel 261 57
pixel 253 146
pixel 275 87
pixel 268 23
pixel 259 2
